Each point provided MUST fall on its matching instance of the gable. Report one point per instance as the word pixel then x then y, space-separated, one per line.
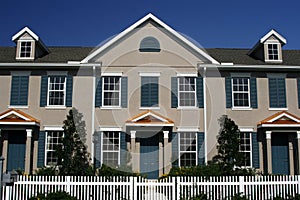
pixel 280 118
pixel 14 116
pixel 123 49
pixel 149 118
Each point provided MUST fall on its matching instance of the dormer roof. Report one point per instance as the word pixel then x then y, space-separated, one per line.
pixel 273 33
pixel 22 32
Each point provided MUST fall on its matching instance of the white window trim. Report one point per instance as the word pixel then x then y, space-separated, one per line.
pixel 251 159
pixel 112 74
pixel 195 92
pixel 18 57
pixel 65 95
pixel 120 93
pixel 149 108
pixel 249 97
pixel 179 134
pixel 101 145
pixel 150 74
pixel 267 51
pixel 46 129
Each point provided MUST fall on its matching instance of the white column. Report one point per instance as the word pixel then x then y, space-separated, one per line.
pixel 291 154
pixel 134 156
pixel 28 151
pixel 166 157
pixel 298 140
pixel 269 151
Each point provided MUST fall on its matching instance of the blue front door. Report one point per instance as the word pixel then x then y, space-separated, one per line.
pixel 149 156
pixel 16 150
pixel 280 153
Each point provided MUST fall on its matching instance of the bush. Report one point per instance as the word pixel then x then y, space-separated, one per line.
pixel 46 171
pixel 60 195
pixel 199 197
pixel 108 171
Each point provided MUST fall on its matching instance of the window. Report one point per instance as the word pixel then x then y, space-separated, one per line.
pixel 188 149
pixel 149 44
pixel 53 140
pixel 25 50
pixel 110 148
pixel 245 148
pixel 149 92
pixel 273 52
pixel 111 91
pixel 187 91
pixel 240 92
pixel 56 90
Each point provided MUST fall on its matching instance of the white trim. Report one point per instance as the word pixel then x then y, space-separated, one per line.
pixel 20 73
pixel 21 32
pixel 64 91
pixel 20 123
pixel 187 75
pixel 249 95
pixel 110 107
pixel 278 109
pixel 284 115
pixel 14 113
pixel 241 108
pixel 149 108
pixel 141 124
pixel 119 91
pixel 246 129
pixel 187 107
pixel 18 107
pixel 112 74
pixel 270 33
pixel 188 129
pixel 28 132
pixel 298 134
pixel 151 114
pixel 110 129
pixel 268 135
pixel 278 125
pixel 19 46
pixel 138 23
pixel 53 128
pixel 226 63
pixel 57 73
pixel 150 74
pixel 55 107
pixel 274 61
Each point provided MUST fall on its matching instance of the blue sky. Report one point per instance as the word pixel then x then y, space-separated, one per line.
pixel 212 23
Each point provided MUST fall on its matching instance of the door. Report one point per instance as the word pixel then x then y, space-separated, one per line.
pixel 280 153
pixel 16 150
pixel 149 156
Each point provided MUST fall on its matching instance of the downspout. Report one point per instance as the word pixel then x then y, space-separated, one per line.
pixel 93 114
pixel 205 114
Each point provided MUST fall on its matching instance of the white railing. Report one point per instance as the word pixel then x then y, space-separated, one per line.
pixel 138 188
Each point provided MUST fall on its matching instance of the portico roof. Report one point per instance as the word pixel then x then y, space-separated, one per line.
pixel 17 117
pixel 149 118
pixel 280 119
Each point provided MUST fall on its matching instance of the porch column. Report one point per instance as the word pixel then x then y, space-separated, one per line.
pixel 4 153
pixel 166 156
pixel 261 156
pixel 298 140
pixel 291 154
pixel 269 151
pixel 28 151
pixel 35 155
pixel 134 155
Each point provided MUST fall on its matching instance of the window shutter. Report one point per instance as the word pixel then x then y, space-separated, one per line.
pixel 174 92
pixel 19 91
pixel 44 91
pixel 201 148
pixel 200 94
pixel 298 84
pixel 98 95
pixel 255 151
pixel 149 91
pixel 277 93
pixel 253 92
pixel 123 149
pixel 228 90
pixel 41 149
pixel 69 91
pixel 97 149
pixel 175 156
pixel 124 92
pixel 281 93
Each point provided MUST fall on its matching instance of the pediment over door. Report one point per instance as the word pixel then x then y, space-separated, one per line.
pixel 17 117
pixel 280 119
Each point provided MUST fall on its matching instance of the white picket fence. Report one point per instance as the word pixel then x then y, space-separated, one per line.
pixel 138 188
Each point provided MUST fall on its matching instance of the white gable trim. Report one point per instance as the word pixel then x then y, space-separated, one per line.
pixel 21 32
pixel 139 22
pixel 284 115
pixel 150 114
pixel 273 32
pixel 14 113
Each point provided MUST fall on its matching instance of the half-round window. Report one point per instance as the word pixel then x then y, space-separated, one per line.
pixel 149 44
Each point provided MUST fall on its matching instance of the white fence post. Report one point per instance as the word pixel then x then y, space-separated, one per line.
pixel 134 188
pixel 68 184
pixel 241 185
pixel 298 177
pixel 131 185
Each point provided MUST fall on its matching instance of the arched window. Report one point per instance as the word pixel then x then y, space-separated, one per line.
pixel 149 44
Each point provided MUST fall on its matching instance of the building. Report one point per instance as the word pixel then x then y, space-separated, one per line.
pixel 150 97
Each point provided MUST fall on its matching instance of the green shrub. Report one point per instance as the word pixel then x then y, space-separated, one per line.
pixel 60 195
pixel 46 171
pixel 239 197
pixel 108 171
pixel 199 197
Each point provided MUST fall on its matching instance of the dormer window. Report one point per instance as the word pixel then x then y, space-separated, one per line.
pixel 273 52
pixel 25 49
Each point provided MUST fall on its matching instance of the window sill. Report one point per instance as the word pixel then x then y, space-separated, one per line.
pixel 187 108
pixel 278 109
pixel 55 107
pixel 242 109
pixel 19 107
pixel 149 108
pixel 110 108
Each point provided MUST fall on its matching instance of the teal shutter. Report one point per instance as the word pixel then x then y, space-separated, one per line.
pixel 174 92
pixel 277 93
pixel 228 90
pixel 253 92
pixel 175 150
pixel 255 151
pixel 149 91
pixel 69 91
pixel 201 148
pixel 200 94
pixel 123 149
pixel 44 91
pixel 97 149
pixel 19 91
pixel 98 95
pixel 298 84
pixel 124 92
pixel 41 149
